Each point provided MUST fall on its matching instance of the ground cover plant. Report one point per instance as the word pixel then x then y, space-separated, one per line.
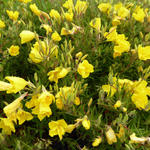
pixel 74 75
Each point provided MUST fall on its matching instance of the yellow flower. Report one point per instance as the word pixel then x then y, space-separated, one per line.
pixel 22 116
pixel 11 109
pixel 35 9
pixel 26 36
pixel 110 90
pixel 84 69
pixel 140 100
pixel 47 28
pixel 17 84
pixel 42 107
pixel 77 101
pixel 25 1
pixel 33 102
pixel 59 103
pixel 111 35
pixel 58 73
pixel 117 104
pixel 56 37
pixel 110 135
pixel 117 6
pixel 35 55
pixel 139 97
pixel 116 21
pixel 7 126
pixel 79 55
pixel 4 86
pixel 123 12
pixel 57 128
pixel 105 7
pixel 139 14
pixel 144 52
pixel 2 24
pixel 81 7
pixel 122 46
pixel 121 132
pixel 127 84
pixel 97 141
pixel 65 31
pixel 68 16
pixel 55 15
pixel 13 15
pixel 69 4
pixel 139 140
pixel 124 109
pixel 70 128
pixel 96 23
pixel 14 50
pixel 86 123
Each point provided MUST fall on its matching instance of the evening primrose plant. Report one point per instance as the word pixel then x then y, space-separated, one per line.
pixel 74 74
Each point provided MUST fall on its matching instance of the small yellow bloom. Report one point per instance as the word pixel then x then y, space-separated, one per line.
pixel 68 16
pixel 11 109
pixel 26 36
pixel 57 128
pixel 25 1
pixel 139 140
pixel 47 28
pixel 55 15
pixel 2 24
pixel 58 73
pixel 69 4
pixel 35 55
pixel 116 21
pixel 56 37
pixel 96 23
pixel 124 109
pixel 140 95
pixel 97 141
pixel 144 52
pixel 118 6
pixel 22 116
pixel 42 106
pixel 77 101
pixel 123 12
pixel 33 102
pixel 121 132
pixel 86 123
pixel 139 14
pixel 70 128
pixel 105 7
pixel 117 104
pixel 13 15
pixel 84 69
pixel 111 35
pixel 65 31
pixel 79 54
pixel 81 7
pixel 14 50
pixel 7 126
pixel 111 90
pixel 110 135
pixel 35 9
pixel 140 100
pixel 17 84
pixel 4 86
pixel 121 47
